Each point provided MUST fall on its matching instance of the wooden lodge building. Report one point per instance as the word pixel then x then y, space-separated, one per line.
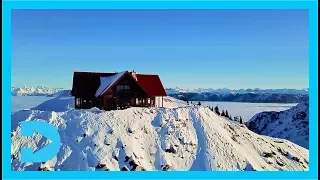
pixel 111 91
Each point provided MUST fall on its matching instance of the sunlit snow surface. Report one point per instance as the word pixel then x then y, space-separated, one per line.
pixel 172 138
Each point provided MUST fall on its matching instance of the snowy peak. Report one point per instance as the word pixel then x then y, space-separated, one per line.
pixel 292 124
pixel 33 91
pixel 171 138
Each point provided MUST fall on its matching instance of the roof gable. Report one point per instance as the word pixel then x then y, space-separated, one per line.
pixel 85 84
pixel 107 82
pixel 152 84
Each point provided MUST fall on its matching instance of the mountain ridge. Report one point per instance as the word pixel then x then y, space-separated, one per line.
pixel 249 95
pixel 291 124
pixel 237 91
pixel 34 91
pixel 176 137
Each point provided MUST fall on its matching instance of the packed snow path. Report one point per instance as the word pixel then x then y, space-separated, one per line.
pixel 179 138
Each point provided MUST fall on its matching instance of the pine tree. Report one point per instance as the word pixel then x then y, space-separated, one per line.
pixel 227 114
pixel 240 120
pixel 216 109
pixel 230 117
pixel 199 104
pixel 223 114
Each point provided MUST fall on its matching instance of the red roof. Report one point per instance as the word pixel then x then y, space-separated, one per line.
pixel 87 83
pixel 152 84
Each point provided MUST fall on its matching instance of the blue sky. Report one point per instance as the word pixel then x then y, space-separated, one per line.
pixel 187 48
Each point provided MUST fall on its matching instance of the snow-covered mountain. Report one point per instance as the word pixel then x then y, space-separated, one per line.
pixel 226 91
pixel 61 93
pixel 33 91
pixel 292 124
pixel 177 137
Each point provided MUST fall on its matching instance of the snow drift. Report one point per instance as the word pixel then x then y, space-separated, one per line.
pixel 171 138
pixel 292 124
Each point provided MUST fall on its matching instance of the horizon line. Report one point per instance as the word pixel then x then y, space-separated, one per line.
pixel 307 88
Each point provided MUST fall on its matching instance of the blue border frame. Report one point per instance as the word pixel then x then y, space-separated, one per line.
pixel 311 5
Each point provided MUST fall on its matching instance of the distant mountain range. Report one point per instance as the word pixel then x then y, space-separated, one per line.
pixel 226 91
pixel 241 95
pixel 34 91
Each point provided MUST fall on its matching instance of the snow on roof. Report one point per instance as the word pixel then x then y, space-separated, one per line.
pixel 107 82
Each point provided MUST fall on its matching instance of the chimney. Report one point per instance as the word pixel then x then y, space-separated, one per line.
pixel 134 75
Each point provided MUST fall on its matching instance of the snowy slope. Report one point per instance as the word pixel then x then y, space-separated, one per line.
pixel 33 91
pixel 292 124
pixel 56 104
pixel 172 138
pixel 170 102
pixel 62 93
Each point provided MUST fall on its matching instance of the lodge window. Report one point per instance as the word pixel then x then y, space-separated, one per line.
pixel 148 100
pixel 139 101
pixel 78 102
pixel 123 88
